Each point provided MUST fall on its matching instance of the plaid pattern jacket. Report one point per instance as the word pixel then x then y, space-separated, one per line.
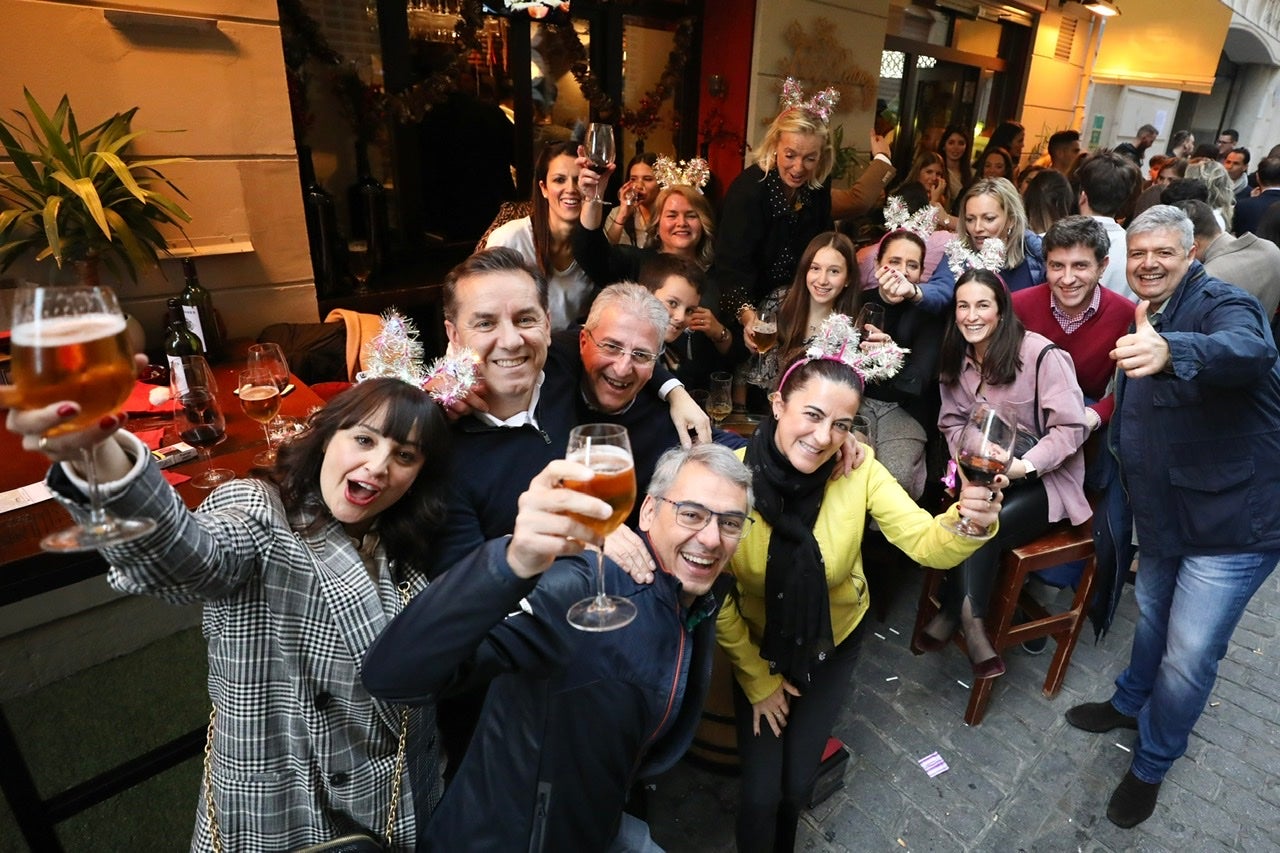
pixel 302 752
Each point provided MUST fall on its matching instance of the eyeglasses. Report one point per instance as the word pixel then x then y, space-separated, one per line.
pixel 693 516
pixel 644 358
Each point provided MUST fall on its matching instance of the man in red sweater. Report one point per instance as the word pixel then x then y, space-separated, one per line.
pixel 1071 310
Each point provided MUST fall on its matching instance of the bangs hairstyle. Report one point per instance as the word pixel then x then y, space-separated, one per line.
pixel 803 122
pixel 1002 362
pixel 1006 195
pixel 817 368
pixel 705 250
pixel 793 313
pixel 657 268
pixel 400 412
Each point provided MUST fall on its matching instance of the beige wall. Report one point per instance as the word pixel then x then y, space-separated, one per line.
pixel 225 90
pixel 1054 100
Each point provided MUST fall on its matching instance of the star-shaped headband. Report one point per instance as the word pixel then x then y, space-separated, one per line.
pixel 687 173
pixel 991 257
pixel 396 353
pixel 922 223
pixel 837 340
pixel 820 105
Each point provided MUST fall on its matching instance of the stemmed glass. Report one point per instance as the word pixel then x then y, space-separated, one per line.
pixel 606 450
pixel 270 357
pixel 69 343
pixel 198 416
pixel 983 453
pixel 765 332
pixel 359 264
pixel 720 400
pixel 870 314
pixel 260 398
pixel 600 149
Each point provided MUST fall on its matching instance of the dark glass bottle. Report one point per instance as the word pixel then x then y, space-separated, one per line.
pixel 322 228
pixel 179 339
pixel 197 308
pixel 367 202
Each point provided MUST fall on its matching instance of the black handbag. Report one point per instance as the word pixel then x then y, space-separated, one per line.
pixel 1026 438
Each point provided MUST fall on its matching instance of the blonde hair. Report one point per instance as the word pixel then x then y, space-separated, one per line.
pixel 705 250
pixel 1006 195
pixel 1222 198
pixel 801 121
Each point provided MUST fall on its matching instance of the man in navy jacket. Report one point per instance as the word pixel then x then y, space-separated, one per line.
pixel 1197 432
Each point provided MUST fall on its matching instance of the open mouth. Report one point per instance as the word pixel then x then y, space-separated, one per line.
pixel 616 384
pixel 699 565
pixel 509 363
pixel 361 494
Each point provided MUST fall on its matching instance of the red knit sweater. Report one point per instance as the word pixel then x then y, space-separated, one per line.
pixel 1089 346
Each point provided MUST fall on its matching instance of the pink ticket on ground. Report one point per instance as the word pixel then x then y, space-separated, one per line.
pixel 933 764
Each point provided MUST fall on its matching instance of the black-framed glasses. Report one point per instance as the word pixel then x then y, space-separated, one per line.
pixel 695 516
pixel 641 357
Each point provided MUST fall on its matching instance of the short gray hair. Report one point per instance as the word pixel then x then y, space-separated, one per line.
pixel 716 458
pixel 1161 216
pixel 631 298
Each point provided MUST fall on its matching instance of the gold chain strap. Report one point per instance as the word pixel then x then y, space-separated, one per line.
pixel 216 835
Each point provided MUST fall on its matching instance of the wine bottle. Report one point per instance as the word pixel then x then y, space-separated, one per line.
pixel 322 227
pixel 197 308
pixel 367 203
pixel 179 339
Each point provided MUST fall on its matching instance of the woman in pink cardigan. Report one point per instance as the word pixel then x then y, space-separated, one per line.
pixel 987 355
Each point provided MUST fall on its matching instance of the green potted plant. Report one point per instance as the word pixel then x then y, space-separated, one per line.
pixel 78 197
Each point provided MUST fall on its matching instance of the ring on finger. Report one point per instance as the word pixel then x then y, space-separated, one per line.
pixel 991 496
pixel 43 444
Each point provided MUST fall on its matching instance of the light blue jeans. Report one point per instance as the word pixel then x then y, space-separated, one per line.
pixel 1188 608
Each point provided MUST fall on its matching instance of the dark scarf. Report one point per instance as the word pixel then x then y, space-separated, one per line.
pixel 783 267
pixel 797 612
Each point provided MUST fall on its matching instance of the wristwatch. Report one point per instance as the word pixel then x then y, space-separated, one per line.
pixel 724 334
pixel 1031 474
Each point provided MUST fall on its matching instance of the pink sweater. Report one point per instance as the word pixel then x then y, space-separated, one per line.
pixel 1057 456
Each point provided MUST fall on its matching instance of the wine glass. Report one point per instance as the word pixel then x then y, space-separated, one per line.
pixel 260 399
pixel 720 400
pixel 69 343
pixel 599 147
pixel 870 314
pixel 198 417
pixel 983 453
pixel 765 331
pixel 359 264
pixel 606 450
pixel 270 357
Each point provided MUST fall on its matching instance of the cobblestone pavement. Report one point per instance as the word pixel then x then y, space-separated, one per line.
pixel 1023 779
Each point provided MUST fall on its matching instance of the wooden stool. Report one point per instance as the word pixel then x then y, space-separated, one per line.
pixel 1062 543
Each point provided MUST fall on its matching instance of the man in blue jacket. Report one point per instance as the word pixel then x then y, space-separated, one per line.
pixel 571 717
pixel 1197 432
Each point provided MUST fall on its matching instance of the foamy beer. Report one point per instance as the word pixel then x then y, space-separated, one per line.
pixel 84 358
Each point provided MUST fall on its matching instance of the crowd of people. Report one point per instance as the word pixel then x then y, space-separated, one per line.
pixel 385 605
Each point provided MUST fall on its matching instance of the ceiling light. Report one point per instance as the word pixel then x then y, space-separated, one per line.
pixel 1103 8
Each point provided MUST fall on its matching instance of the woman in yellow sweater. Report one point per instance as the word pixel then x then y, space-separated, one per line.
pixel 790 626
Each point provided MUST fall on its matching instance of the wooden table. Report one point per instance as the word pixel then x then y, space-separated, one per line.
pixel 27 571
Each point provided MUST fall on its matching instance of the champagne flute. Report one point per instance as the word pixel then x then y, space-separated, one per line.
pixel 606 450
pixel 260 400
pixel 765 331
pixel 720 400
pixel 983 453
pixel 199 418
pixel 70 343
pixel 600 149
pixel 359 264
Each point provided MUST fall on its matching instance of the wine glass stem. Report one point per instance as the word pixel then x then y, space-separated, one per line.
pixel 98 519
pixel 602 600
pixel 266 432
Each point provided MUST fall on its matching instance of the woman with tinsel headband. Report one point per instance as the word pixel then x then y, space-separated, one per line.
pixel 792 625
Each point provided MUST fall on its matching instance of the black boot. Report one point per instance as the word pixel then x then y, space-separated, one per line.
pixel 1100 717
pixel 1133 801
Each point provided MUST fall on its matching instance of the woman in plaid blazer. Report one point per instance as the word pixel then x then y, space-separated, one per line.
pixel 299 568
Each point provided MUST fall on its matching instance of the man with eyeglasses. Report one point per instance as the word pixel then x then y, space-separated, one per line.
pixel 572 718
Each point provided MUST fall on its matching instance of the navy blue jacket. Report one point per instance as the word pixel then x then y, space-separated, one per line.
pixel 1199 444
pixel 571 718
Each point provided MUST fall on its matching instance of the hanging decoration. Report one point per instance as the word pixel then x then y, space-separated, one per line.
pixel 644 118
pixel 817 58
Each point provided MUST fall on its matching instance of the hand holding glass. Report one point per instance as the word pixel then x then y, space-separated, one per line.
pixel 983 453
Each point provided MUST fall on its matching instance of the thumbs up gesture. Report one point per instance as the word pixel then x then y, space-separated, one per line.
pixel 1144 351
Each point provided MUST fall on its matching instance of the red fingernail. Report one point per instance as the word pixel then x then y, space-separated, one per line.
pixel 66 410
pixel 108 422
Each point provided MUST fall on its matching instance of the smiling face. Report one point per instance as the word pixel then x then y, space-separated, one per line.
pixel 993 166
pixel 827 276
pixel 797 158
pixel 611 382
pixel 954 147
pixel 498 315
pixel 984 217
pixel 1157 263
pixel 560 189
pixel 679 228
pixel 364 472
pixel 695 557
pixel 813 421
pixel 681 298
pixel 976 315
pixel 904 256
pixel 641 176
pixel 1073 274
pixel 930 175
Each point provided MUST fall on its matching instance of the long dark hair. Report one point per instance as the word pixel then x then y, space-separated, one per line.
pixel 1002 362
pixel 650 159
pixel 966 171
pixel 406 413
pixel 793 314
pixel 541 215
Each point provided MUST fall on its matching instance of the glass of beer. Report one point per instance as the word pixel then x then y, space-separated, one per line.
pixel 260 398
pixel 606 450
pixel 720 401
pixel 198 415
pixel 69 343
pixel 764 331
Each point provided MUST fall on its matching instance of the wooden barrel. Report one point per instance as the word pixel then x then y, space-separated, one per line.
pixel 715 743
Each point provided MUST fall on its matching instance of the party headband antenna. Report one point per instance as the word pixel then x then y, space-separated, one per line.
pixel 687 173
pixel 922 223
pixel 837 340
pixel 820 105
pixel 960 257
pixel 396 353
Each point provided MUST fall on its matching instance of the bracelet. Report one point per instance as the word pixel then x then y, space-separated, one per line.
pixel 746 306
pixel 919 295
pixel 724 334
